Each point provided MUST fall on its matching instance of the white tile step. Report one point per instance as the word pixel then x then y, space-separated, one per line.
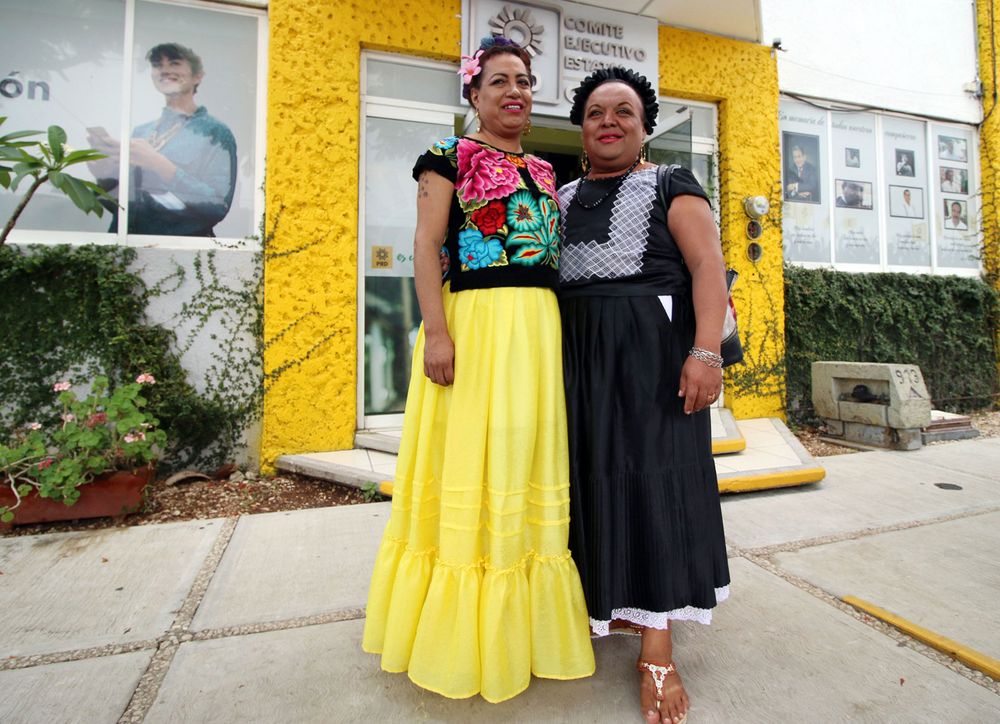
pixel 771 458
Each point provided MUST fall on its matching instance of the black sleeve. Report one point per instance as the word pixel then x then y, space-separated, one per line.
pixel 435 160
pixel 683 183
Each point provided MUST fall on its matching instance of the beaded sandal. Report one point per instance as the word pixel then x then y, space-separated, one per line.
pixel 659 674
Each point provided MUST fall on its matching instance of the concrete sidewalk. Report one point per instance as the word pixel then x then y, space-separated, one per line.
pixel 260 618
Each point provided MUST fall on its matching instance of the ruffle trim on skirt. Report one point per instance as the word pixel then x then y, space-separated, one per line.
pixel 658 619
pixel 461 630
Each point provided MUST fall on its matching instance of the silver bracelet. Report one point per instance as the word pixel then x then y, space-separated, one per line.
pixel 709 358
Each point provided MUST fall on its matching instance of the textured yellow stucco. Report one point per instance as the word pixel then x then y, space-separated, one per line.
pixel 989 136
pixel 310 303
pixel 312 198
pixel 743 79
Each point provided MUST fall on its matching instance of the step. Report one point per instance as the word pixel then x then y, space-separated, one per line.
pixel 726 436
pixel 771 457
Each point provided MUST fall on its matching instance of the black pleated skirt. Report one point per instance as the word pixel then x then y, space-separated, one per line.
pixel 646 526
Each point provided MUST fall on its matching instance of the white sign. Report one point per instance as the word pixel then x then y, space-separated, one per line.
pixel 567 42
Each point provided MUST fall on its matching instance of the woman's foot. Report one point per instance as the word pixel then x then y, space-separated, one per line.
pixel 667 703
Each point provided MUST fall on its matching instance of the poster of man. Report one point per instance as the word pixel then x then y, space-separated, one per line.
pixel 954 180
pixel 956 216
pixel 906 202
pixel 852 157
pixel 800 153
pixel 182 164
pixel 951 148
pixel 904 162
pixel 854 194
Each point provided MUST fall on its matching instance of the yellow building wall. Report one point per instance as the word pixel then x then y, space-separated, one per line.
pixel 989 138
pixel 743 79
pixel 311 265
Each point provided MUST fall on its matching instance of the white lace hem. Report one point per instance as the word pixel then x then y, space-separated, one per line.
pixel 658 619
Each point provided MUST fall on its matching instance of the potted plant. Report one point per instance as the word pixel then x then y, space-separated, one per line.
pixel 94 462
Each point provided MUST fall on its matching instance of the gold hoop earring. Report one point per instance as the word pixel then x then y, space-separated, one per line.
pixel 642 154
pixel 527 129
pixel 585 163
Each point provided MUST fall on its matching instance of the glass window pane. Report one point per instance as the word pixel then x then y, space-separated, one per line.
pixel 194 116
pixel 857 203
pixel 390 213
pixel 955 184
pixel 805 214
pixel 412 82
pixel 62 62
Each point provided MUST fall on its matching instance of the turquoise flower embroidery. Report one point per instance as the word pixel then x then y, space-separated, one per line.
pixel 475 252
pixel 540 245
pixel 523 213
pixel 447 143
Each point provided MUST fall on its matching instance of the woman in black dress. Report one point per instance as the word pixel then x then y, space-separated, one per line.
pixel 643 297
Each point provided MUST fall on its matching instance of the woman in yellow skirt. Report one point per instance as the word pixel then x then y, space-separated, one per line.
pixel 474 589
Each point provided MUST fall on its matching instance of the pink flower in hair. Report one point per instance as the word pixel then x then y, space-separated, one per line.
pixel 484 174
pixel 470 67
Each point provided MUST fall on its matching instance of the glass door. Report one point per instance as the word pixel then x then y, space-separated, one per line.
pixel 389 317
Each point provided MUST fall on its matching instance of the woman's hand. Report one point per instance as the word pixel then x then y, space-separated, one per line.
pixel 439 359
pixel 700 385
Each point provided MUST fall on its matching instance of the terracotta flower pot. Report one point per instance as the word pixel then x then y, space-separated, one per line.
pixel 109 494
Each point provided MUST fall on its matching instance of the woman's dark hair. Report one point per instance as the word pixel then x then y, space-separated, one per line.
pixel 175 51
pixel 638 83
pixel 492 46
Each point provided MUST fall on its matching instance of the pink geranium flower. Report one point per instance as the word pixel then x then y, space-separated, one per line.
pixel 34 426
pixel 146 379
pixel 61 386
pixel 67 417
pixel 541 172
pixel 46 463
pixel 134 436
pixel 484 174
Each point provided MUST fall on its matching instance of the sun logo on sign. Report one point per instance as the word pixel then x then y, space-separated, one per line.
pixel 519 26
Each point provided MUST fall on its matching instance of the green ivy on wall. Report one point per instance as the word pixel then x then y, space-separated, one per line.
pixel 943 324
pixel 78 311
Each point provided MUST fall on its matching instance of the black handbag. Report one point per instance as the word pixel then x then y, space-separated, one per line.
pixel 731 348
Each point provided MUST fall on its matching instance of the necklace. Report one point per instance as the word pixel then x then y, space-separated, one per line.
pixel 614 187
pixel 158 140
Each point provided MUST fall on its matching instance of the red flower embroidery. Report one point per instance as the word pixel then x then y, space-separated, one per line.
pixel 490 218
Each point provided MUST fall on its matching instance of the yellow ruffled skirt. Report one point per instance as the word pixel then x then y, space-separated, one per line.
pixel 474 589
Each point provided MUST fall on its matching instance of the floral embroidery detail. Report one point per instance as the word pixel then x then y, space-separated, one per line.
pixel 490 218
pixel 540 245
pixel 484 174
pixel 446 144
pixel 542 174
pixel 444 259
pixel 477 252
pixel 517 160
pixel 523 213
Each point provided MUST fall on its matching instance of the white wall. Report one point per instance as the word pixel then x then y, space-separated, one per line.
pixel 912 56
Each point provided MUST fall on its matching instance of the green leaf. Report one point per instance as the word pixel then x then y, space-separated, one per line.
pixel 81 196
pixel 57 138
pixel 87 154
pixel 58 180
pixel 4 177
pixel 6 516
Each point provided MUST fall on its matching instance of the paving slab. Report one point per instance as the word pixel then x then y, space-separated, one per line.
pixel 91 691
pixel 861 491
pixel 92 588
pixel 975 457
pixel 944 576
pixel 297 563
pixel 774 653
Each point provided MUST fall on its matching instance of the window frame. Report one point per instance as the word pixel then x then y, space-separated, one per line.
pixel 932 127
pixel 122 238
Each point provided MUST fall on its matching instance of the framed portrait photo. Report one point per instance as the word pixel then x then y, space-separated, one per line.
pixel 956 214
pixel 852 157
pixel 854 194
pixel 906 202
pixel 952 148
pixel 904 162
pixel 801 167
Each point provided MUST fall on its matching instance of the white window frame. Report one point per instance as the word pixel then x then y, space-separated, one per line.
pixel 122 237
pixel 933 193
